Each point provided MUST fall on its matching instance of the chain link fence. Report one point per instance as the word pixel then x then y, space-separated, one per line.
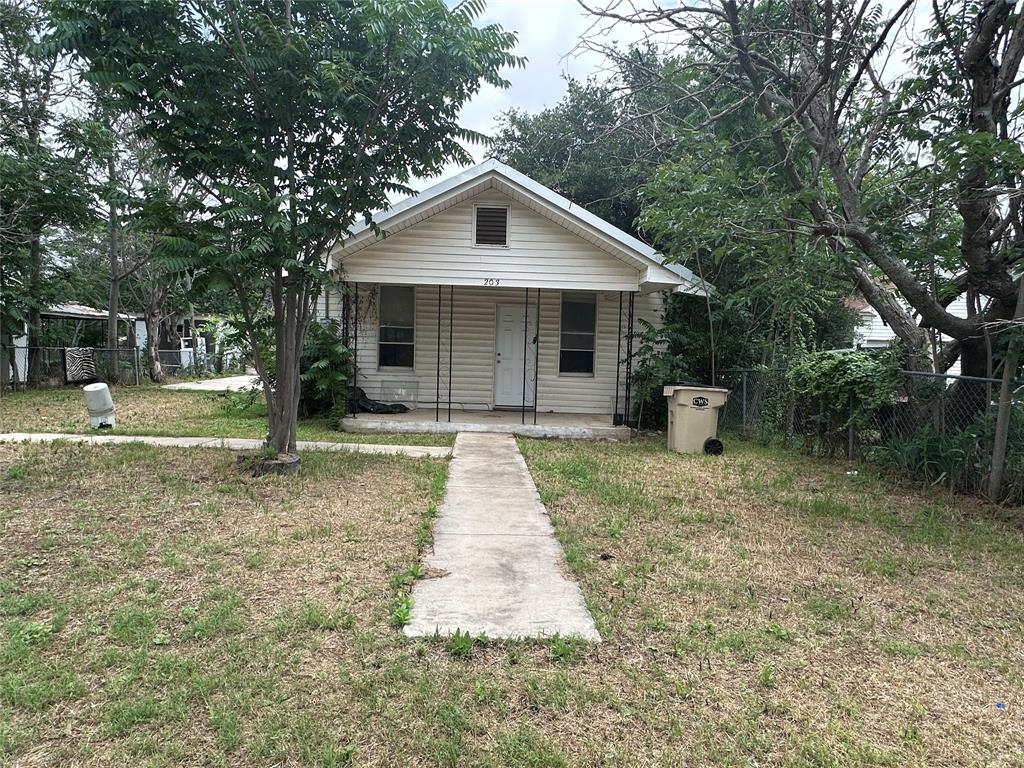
pixel 935 427
pixel 41 367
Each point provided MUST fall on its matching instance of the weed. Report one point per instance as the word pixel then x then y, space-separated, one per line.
pixel 906 650
pixel 312 533
pixel 461 644
pixel 401 609
pixel 777 632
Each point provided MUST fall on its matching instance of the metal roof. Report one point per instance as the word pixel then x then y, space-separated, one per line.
pixel 80 312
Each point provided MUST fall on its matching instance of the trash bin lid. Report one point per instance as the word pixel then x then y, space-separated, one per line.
pixel 671 389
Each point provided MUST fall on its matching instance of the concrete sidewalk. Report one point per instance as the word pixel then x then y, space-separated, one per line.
pixel 232 443
pixel 503 570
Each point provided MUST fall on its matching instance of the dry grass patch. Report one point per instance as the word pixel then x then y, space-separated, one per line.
pixel 160 607
pixel 804 616
pixel 152 410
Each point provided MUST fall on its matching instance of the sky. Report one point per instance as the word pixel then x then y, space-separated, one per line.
pixel 548 33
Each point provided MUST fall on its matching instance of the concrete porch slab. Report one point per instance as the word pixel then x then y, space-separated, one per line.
pixel 579 426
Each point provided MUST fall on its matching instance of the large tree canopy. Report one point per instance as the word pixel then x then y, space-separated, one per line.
pixel 296 119
pixel 622 147
pixel 878 164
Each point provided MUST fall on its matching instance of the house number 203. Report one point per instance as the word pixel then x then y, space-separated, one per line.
pixel 492 281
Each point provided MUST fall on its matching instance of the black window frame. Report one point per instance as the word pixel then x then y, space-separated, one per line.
pixel 567 354
pixel 395 348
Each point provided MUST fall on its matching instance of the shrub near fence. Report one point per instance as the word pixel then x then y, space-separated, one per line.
pixel 937 428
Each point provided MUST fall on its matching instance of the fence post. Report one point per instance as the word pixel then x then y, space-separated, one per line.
pixel 849 433
pixel 138 365
pixel 744 403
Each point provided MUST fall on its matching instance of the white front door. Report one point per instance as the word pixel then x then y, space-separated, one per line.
pixel 510 353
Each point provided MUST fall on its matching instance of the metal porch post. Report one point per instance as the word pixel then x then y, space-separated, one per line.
pixel 451 331
pixel 629 357
pixel 618 365
pixel 526 309
pixel 437 385
pixel 355 338
pixel 536 357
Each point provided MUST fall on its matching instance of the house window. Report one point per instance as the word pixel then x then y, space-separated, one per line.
pixel 579 319
pixel 396 340
pixel 491 226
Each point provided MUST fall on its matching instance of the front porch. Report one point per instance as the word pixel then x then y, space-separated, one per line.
pixel 580 426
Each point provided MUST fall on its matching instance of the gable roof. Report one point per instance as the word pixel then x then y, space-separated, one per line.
pixel 492 174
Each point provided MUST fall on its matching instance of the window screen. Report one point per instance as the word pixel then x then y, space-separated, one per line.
pixel 579 317
pixel 395 348
pixel 491 226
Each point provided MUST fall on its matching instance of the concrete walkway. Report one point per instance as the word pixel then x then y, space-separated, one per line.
pixel 233 443
pixel 501 570
pixel 221 384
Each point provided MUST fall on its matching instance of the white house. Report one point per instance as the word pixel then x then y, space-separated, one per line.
pixel 489 291
pixel 873 332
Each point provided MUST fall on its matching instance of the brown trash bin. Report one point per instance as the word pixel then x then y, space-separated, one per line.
pixel 693 417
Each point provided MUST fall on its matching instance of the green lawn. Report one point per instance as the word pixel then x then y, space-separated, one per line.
pixel 152 410
pixel 162 607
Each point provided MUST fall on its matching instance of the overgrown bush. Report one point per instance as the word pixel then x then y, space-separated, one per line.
pixel 324 371
pixel 843 388
pixel 658 363
pixel 324 368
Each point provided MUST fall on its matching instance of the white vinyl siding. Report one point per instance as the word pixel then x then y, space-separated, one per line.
pixel 441 250
pixel 473 336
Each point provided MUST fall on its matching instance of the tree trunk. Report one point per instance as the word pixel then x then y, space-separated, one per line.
pixel 153 311
pixel 175 338
pixel 34 374
pixel 1010 365
pixel 156 369
pixel 114 293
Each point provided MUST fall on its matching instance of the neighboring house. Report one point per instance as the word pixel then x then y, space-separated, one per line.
pixel 874 333
pixel 443 307
pixel 70 325
pixel 77 325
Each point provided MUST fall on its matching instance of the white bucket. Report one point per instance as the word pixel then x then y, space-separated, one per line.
pixel 100 405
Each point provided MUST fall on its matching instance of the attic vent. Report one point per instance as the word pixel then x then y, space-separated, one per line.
pixel 491 226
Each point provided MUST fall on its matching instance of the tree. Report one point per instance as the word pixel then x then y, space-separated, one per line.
pixel 621 147
pixel 296 120
pixel 40 175
pixel 812 71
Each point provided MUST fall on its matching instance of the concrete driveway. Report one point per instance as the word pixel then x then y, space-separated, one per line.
pixel 223 384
